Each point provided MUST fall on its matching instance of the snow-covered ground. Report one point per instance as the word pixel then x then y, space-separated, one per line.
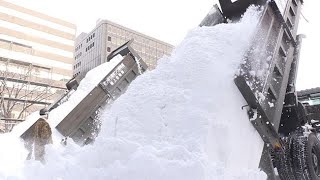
pixel 182 120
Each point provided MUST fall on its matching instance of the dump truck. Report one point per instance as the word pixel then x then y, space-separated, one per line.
pixel 82 123
pixel 287 120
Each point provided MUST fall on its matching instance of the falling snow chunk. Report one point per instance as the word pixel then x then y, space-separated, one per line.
pixel 260 96
pixel 255 115
pixel 271 104
pixel 269 59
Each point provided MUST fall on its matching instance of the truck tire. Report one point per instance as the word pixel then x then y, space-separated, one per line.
pixel 306 157
pixel 283 161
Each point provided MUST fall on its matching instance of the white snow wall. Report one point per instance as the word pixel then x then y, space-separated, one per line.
pixel 188 112
pixel 182 120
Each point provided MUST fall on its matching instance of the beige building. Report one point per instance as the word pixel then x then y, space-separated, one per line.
pixel 92 49
pixel 36 56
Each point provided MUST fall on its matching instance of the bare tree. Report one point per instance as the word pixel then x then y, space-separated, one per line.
pixel 22 89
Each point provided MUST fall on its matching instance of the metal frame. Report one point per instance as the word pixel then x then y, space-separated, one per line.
pixel 273 38
pixel 82 123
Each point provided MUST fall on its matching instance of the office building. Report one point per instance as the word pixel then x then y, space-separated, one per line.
pixel 36 56
pixel 92 49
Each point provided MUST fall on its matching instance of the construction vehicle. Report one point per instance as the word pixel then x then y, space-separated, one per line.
pixel 287 122
pixel 82 123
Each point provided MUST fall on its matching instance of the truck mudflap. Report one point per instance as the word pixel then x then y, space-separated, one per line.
pixel 82 123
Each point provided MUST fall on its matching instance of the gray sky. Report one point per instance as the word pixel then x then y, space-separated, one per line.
pixel 170 20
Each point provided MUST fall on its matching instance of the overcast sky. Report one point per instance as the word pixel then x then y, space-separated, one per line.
pixel 170 20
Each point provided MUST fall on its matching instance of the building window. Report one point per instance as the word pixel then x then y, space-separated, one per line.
pixel 109 38
pixel 108 49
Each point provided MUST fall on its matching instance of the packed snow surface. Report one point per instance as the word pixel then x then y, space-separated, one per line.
pixel 181 121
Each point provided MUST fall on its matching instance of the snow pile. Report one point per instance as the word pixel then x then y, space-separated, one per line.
pixel 12 157
pixel 182 120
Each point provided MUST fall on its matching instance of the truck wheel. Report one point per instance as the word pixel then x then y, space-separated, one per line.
pixel 306 157
pixel 283 161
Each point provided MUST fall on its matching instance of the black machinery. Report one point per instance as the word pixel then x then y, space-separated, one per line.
pixel 287 123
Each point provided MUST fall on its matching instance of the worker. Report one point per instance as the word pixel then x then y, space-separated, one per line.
pixel 42 135
pixel 234 9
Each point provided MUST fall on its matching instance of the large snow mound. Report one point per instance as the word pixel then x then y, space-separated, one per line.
pixel 182 120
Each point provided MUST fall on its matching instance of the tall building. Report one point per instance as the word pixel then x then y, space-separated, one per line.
pixel 36 56
pixel 92 49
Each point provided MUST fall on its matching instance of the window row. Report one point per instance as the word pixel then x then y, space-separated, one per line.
pixel 78 47
pixel 140 40
pixel 77 65
pixel 90 46
pixel 90 37
pixel 76 74
pixel 78 55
